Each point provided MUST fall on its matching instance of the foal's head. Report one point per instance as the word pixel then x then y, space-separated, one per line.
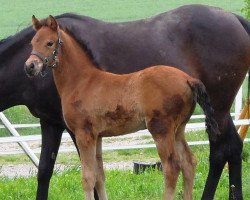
pixel 46 45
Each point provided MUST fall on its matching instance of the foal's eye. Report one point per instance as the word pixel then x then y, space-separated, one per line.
pixel 50 44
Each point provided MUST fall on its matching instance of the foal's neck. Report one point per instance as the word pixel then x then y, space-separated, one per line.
pixel 74 64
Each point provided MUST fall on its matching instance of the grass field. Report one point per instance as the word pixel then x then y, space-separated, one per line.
pixel 123 185
pixel 16 15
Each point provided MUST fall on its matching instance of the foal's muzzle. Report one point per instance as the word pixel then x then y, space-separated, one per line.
pixel 34 68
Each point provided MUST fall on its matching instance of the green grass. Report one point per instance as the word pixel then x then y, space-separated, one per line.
pixel 124 184
pixel 15 15
pixel 20 115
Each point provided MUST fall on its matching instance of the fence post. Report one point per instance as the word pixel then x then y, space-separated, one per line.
pixel 23 145
pixel 238 104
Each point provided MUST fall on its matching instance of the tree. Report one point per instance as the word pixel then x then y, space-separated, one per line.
pixel 246 9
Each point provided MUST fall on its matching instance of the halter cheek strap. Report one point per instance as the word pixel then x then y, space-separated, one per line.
pixel 51 58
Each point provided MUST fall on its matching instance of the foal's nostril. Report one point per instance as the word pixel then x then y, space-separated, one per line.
pixel 31 66
pixel 29 69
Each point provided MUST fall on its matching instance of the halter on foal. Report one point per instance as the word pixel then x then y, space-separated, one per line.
pixel 97 104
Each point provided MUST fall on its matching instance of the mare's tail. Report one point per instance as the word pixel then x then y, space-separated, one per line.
pixel 244 22
pixel 204 101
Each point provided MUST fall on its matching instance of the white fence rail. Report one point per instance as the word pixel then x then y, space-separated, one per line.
pixel 22 140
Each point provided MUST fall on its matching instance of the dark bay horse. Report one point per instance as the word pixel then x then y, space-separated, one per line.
pixel 205 42
pixel 98 104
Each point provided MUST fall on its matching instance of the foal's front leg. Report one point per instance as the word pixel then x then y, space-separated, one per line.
pixel 100 176
pixel 87 146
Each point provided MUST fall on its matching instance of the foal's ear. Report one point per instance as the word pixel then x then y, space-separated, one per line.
pixel 51 21
pixel 36 23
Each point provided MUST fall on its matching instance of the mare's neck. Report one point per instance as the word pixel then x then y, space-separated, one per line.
pixel 74 64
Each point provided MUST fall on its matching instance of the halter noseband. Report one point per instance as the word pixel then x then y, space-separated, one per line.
pixel 53 56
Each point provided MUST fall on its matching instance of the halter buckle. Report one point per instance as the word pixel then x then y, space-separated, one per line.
pixel 54 65
pixel 54 53
pixel 60 42
pixel 46 60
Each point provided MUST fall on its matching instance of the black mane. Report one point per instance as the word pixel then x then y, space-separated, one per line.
pixel 13 43
pixel 5 40
pixel 84 45
pixel 71 31
pixel 73 16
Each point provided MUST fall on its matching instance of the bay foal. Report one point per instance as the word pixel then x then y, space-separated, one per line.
pixel 96 104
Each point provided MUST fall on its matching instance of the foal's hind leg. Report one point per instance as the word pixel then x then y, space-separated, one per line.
pixel 100 176
pixel 87 147
pixel 165 143
pixel 187 162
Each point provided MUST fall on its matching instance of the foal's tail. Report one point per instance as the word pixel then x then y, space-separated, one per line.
pixel 204 101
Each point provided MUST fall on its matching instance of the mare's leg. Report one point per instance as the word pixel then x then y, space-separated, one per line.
pixel 227 148
pixel 187 162
pixel 74 140
pixel 87 146
pixel 100 176
pixel 51 138
pixel 165 143
pixel 235 163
